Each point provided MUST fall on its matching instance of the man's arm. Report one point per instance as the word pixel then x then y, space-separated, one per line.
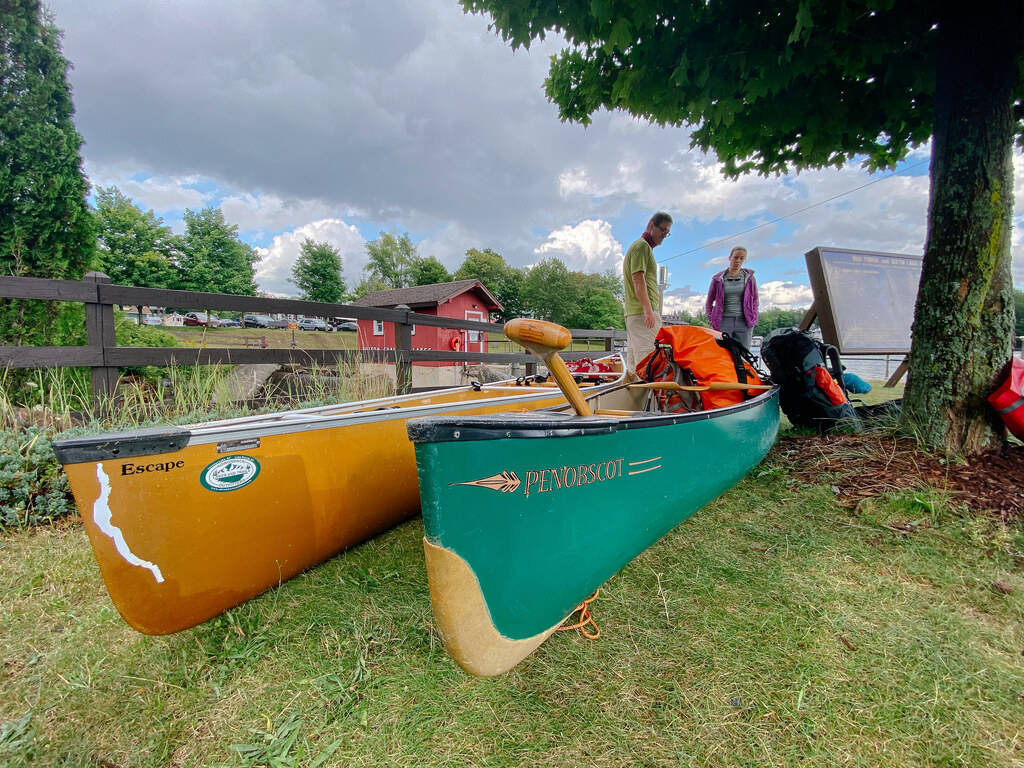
pixel 640 289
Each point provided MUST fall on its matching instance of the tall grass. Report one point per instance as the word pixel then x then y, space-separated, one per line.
pixel 33 488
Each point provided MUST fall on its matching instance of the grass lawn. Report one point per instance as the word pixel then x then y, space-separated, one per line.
pixel 277 338
pixel 773 628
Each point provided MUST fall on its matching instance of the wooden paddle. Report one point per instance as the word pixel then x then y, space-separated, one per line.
pixel 546 340
pixel 714 385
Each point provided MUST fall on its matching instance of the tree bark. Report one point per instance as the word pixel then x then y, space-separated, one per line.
pixel 963 319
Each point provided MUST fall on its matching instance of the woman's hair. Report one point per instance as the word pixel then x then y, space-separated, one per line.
pixel 738 248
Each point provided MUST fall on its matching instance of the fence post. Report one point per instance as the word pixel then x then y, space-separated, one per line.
pixel 609 343
pixel 99 328
pixel 403 361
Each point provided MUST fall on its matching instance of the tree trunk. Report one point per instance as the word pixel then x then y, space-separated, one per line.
pixel 963 320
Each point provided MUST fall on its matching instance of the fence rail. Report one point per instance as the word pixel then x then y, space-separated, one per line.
pixel 105 358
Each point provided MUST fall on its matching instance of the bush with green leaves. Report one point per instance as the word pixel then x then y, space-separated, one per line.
pixel 33 487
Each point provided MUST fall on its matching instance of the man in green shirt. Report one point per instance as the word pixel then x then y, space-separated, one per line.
pixel 640 272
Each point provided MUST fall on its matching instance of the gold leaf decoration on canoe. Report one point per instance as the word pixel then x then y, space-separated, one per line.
pixel 506 482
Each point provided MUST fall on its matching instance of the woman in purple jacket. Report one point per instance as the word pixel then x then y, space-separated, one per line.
pixel 732 299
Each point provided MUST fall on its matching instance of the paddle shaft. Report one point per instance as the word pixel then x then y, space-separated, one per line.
pixel 545 340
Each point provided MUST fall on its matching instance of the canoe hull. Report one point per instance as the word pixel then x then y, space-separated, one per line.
pixel 542 510
pixel 186 523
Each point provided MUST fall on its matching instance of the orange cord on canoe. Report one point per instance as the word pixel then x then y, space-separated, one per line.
pixel 585 618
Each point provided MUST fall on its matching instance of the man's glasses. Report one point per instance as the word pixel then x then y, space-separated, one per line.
pixel 664 231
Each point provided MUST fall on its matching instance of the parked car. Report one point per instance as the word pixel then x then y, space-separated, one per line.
pixel 257 321
pixel 153 319
pixel 201 318
pixel 348 325
pixel 280 323
pixel 312 324
pixel 230 324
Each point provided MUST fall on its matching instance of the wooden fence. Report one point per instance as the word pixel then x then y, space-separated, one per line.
pixel 104 357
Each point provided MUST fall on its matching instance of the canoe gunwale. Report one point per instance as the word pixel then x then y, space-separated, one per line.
pixel 554 422
pixel 167 440
pixel 532 425
pixel 121 445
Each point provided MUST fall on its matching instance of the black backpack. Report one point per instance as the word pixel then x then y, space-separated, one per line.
pixel 792 356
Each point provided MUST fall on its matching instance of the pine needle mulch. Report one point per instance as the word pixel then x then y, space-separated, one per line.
pixel 868 465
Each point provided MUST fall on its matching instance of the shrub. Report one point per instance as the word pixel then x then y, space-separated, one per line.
pixel 33 486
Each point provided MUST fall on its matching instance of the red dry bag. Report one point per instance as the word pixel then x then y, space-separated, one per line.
pixel 1008 401
pixel 710 357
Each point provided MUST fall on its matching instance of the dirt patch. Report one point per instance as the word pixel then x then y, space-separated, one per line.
pixel 863 466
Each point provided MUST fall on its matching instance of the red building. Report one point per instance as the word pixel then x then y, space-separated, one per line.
pixel 461 300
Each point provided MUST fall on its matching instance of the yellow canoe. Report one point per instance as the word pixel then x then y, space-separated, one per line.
pixel 187 522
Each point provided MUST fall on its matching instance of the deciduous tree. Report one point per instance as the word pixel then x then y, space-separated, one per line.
pixel 213 259
pixel 427 271
pixel 812 83
pixel 317 272
pixel 551 291
pixel 595 304
pixel 505 282
pixel 770 319
pixel 46 228
pixel 390 261
pixel 134 247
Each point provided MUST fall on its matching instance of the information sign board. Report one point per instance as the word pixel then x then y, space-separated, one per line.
pixel 864 300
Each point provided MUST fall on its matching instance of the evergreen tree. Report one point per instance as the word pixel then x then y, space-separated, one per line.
pixel 135 247
pixel 46 228
pixel 213 259
pixel 317 272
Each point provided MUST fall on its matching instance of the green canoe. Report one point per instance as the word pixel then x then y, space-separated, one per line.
pixel 526 514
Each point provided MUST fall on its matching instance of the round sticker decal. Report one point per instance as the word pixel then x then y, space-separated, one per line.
pixel 230 473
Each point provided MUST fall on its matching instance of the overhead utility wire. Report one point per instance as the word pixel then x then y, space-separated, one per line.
pixel 794 213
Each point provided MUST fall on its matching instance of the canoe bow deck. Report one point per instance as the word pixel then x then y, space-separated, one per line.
pixel 525 514
pixel 187 522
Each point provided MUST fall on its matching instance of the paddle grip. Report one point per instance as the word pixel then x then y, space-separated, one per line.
pixel 538 336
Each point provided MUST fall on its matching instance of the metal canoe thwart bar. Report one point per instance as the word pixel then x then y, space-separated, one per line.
pixel 712 386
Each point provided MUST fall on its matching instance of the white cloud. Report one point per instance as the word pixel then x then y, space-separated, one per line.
pixel 774 294
pixel 410 115
pixel 782 295
pixel 277 260
pixel 254 212
pixel 586 247
pixel 692 305
pixel 160 193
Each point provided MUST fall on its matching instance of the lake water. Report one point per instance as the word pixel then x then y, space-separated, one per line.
pixel 877 367
pixel 874 368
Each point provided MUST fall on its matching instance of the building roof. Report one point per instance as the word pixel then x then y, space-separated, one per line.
pixel 432 295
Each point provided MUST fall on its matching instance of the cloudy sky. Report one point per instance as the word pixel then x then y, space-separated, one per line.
pixel 341 119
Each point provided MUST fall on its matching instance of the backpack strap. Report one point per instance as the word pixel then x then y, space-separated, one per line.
pixel 834 364
pixel 740 354
pixel 733 347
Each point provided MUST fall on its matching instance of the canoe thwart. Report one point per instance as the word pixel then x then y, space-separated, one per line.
pixel 714 385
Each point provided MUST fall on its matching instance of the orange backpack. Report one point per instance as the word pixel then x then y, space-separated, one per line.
pixel 699 356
